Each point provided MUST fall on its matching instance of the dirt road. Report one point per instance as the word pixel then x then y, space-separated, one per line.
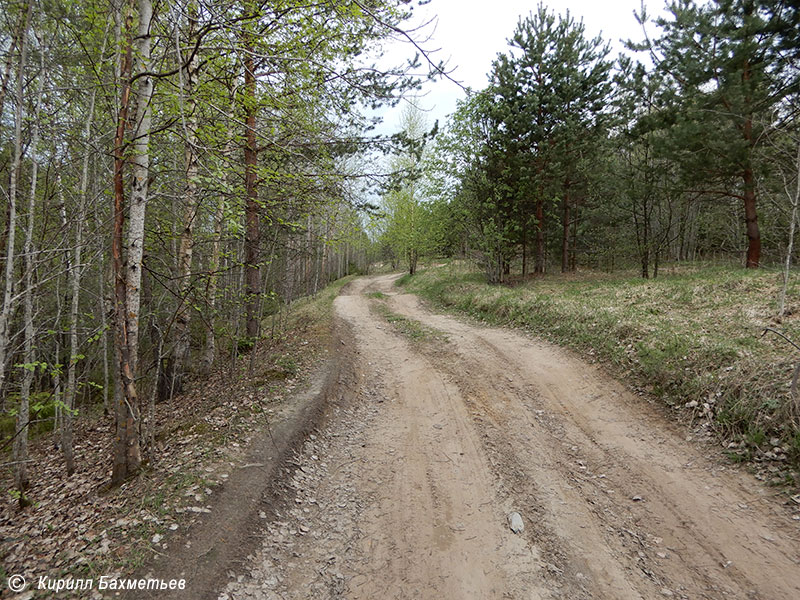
pixel 406 491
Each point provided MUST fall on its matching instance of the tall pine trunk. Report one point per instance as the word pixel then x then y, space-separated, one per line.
pixel 751 218
pixel 565 230
pixel 748 180
pixel 539 262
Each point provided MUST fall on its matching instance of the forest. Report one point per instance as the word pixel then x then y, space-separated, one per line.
pixel 175 174
pixel 684 148
pixel 227 347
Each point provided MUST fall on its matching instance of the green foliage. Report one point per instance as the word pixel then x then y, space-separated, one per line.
pixel 407 221
pixel 522 149
pixel 555 157
pixel 288 364
pixel 42 408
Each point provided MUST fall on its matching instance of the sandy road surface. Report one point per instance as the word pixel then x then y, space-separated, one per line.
pixel 405 492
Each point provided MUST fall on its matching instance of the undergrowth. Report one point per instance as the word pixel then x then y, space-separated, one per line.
pixel 77 526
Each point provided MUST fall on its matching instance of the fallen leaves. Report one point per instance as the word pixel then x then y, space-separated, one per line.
pixel 77 527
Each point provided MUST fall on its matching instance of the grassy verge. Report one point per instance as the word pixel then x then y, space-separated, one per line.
pixel 692 338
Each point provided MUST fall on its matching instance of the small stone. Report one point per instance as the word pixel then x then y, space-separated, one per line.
pixel 666 592
pixel 157 538
pixel 515 522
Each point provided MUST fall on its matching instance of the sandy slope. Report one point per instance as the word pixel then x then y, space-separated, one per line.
pixel 406 490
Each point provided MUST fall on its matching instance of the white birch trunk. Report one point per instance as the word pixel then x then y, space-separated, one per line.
pixel 8 293
pixel 210 350
pixel 21 478
pixel 141 172
pixel 185 249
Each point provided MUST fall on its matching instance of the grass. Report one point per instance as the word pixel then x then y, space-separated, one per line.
pixel 314 314
pixel 410 328
pixel 692 337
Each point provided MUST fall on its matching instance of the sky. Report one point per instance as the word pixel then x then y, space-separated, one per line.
pixel 468 35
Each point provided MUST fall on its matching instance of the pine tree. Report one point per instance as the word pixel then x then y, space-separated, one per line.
pixel 724 70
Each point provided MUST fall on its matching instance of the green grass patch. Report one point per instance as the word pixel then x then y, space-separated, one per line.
pixel 403 280
pixel 691 336
pixel 410 328
pixel 319 307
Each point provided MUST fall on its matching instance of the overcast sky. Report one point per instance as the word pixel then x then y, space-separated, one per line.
pixel 470 33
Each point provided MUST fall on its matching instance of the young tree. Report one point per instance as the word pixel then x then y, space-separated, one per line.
pixel 406 212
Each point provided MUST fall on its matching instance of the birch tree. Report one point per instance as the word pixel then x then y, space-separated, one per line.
pixel 11 224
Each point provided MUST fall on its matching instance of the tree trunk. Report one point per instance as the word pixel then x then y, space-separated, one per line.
pixel 795 201
pixel 748 179
pixel 210 350
pixel 751 219
pixel 140 146
pixel 252 212
pixel 185 250
pixel 565 231
pixel 8 298
pixel 75 289
pixel 21 478
pixel 65 421
pixel 9 62
pixel 539 264
pixel 126 448
pixel 22 25
pixel 574 245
